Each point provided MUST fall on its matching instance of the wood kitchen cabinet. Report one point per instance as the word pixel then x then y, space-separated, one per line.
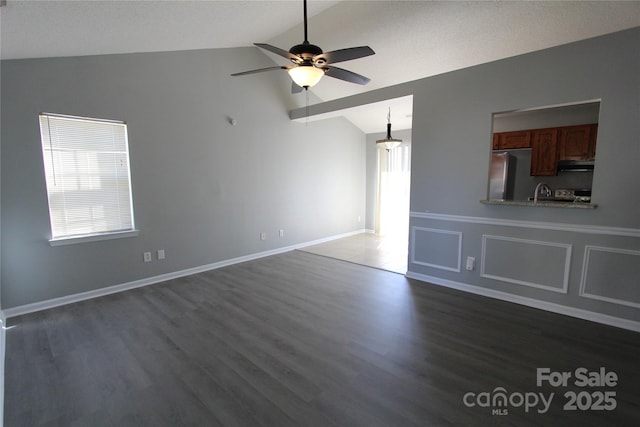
pixel 577 142
pixel 544 152
pixel 512 140
pixel 548 146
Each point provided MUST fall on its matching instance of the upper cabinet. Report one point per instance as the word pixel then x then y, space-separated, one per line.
pixel 551 145
pixel 544 152
pixel 578 142
pixel 512 140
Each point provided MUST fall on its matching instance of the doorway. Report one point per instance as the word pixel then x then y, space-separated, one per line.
pixel 386 246
pixel 393 179
pixel 383 242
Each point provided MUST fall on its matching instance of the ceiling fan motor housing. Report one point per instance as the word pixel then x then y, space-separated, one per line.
pixel 306 51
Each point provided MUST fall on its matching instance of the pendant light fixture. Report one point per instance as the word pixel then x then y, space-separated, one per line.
pixel 388 143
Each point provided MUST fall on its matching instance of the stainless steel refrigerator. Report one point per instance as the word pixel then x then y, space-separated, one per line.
pixel 501 178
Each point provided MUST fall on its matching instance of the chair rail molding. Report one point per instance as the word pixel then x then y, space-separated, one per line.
pixel 576 228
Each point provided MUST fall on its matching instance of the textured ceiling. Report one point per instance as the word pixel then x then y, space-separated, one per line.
pixel 32 28
pixel 412 39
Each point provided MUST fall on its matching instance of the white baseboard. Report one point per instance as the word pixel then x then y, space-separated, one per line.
pixel 326 239
pixel 82 296
pixel 530 302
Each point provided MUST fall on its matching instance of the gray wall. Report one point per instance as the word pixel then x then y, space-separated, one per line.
pixel 203 190
pixel 452 127
pixel 547 117
pixel 512 244
pixel 1 313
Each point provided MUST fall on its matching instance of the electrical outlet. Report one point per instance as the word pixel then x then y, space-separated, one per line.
pixel 263 236
pixel 160 254
pixel 471 263
pixel 281 233
pixel 147 257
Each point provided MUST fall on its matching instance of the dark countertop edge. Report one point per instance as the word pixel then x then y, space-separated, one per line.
pixel 568 205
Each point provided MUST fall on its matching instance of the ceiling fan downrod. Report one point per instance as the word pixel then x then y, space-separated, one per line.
pixel 306 39
pixel 305 50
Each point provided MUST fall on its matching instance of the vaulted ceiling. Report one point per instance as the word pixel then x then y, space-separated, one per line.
pixel 412 39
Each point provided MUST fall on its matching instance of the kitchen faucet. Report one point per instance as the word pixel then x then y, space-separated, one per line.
pixel 543 190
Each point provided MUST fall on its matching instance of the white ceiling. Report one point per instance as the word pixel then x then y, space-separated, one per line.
pixel 412 39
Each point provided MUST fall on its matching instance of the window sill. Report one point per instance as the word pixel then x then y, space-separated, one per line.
pixel 92 238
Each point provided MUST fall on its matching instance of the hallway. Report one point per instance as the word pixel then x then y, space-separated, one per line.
pixel 367 249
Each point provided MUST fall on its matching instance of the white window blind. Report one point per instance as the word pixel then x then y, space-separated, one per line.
pixel 86 163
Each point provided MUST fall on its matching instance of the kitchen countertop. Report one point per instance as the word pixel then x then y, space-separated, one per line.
pixel 541 203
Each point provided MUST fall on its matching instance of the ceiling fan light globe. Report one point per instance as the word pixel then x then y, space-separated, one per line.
pixel 306 75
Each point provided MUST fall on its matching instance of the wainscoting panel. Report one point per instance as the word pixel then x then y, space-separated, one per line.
pixel 543 265
pixel 612 275
pixel 440 249
pixel 581 270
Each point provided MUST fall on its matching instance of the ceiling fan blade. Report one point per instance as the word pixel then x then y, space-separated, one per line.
pixel 260 70
pixel 295 88
pixel 278 51
pixel 346 75
pixel 344 54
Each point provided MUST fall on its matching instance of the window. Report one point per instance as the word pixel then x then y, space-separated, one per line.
pixel 86 164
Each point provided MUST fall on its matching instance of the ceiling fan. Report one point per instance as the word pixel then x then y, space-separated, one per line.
pixel 310 63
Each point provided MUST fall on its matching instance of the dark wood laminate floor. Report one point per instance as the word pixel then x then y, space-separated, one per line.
pixel 299 339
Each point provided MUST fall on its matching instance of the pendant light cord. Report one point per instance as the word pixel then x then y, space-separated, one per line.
pixel 307 108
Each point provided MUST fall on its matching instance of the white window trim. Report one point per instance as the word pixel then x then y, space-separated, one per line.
pixel 107 235
pixel 62 241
